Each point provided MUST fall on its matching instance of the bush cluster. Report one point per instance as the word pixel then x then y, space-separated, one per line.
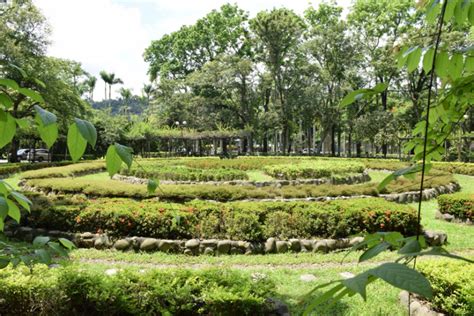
pixel 81 291
pixel 11 168
pixel 461 205
pixel 391 164
pixel 65 171
pixel 313 169
pixel 182 173
pixel 452 285
pixel 179 193
pixel 251 221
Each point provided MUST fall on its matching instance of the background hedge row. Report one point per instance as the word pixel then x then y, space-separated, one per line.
pixel 12 168
pixel 461 205
pixel 65 171
pixel 251 221
pixel 180 193
pixel 453 286
pixel 78 291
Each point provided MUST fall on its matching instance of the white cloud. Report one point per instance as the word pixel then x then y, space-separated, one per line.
pixel 112 35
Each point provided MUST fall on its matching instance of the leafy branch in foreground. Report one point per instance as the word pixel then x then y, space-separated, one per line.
pixel 80 133
pixel 429 136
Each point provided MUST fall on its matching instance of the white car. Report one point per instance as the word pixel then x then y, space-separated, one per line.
pixel 39 155
pixel 22 153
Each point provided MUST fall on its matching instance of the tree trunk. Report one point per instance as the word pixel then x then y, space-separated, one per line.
pixel 333 141
pixel 358 149
pixel 13 149
pixel 349 142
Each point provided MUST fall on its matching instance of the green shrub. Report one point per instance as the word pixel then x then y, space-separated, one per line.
pixel 182 173
pixel 452 283
pixel 313 169
pixel 81 291
pixel 252 221
pixel 181 193
pixel 461 205
pixel 11 168
pixel 65 171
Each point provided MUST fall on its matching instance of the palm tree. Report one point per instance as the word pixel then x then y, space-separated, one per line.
pixel 90 83
pixel 113 81
pixel 148 91
pixel 107 80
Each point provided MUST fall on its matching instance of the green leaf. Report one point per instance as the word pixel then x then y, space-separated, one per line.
pixel 413 60
pixel 411 246
pixel 404 278
pixel 448 14
pixel 46 117
pixel 323 298
pixel 7 128
pixel 75 143
pixel 4 261
pixel 442 64
pixel 22 122
pixel 380 87
pixel 358 284
pixel 152 185
pixel 3 208
pixel 48 133
pixel 125 153
pixel 456 65
pixel 461 11
pixel 5 100
pixel 41 240
pixel 22 200
pixel 87 131
pixel 67 243
pixel 428 60
pixel 3 188
pixel 58 249
pixel 113 161
pixel 9 83
pixel 2 224
pixel 13 211
pixel 33 95
pixel 43 255
pixel 385 182
pixel 374 251
pixel 433 11
pixel 469 62
pixel 471 14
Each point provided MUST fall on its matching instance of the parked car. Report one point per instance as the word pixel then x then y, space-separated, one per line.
pixel 22 153
pixel 39 155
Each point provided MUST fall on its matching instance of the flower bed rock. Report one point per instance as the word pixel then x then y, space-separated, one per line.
pixel 202 247
pixel 417 306
pixel 350 179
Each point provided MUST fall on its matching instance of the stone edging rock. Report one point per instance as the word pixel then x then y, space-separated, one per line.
pixel 197 246
pixel 359 178
pixel 413 196
pixel 417 307
pixel 451 218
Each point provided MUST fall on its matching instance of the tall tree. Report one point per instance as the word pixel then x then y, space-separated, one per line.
pixel 279 33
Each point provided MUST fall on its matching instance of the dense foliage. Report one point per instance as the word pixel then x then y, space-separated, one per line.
pixel 77 291
pixel 252 221
pixel 461 205
pixel 227 192
pixel 452 285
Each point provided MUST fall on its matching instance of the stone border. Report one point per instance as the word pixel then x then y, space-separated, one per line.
pixel 413 196
pixel 417 306
pixel 354 179
pixel 198 246
pixel 451 218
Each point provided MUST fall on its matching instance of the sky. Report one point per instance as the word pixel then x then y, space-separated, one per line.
pixel 112 35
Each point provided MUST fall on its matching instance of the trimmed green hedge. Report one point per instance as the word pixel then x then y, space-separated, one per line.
pixel 391 164
pixel 461 205
pixel 313 169
pixel 11 168
pixel 82 291
pixel 182 173
pixel 65 171
pixel 453 286
pixel 251 221
pixel 180 193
